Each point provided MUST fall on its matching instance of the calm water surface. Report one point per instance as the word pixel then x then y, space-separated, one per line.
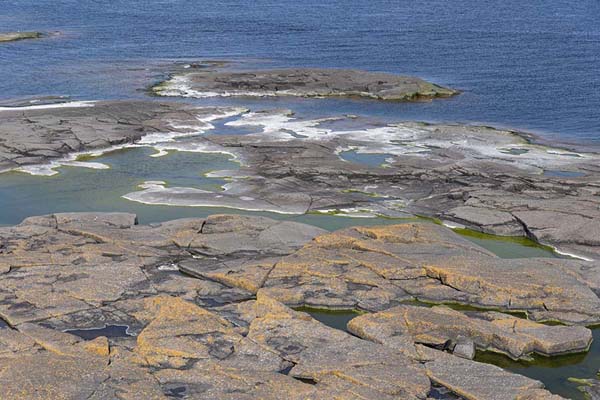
pixel 531 65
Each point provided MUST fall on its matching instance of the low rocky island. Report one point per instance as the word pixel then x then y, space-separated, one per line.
pixel 300 82
pixel 14 36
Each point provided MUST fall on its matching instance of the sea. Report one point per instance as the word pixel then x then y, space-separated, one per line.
pixel 528 65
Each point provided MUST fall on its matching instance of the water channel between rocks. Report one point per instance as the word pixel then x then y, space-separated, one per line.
pixel 75 189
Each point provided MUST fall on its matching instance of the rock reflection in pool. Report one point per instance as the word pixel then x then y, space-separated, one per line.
pixel 554 372
pixel 332 318
pixel 109 331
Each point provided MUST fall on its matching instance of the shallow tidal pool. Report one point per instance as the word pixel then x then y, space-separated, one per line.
pixel 84 189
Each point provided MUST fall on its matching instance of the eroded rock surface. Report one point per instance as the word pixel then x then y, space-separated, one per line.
pixel 302 82
pixel 221 330
pixel 38 134
pixel 443 327
pixel 492 180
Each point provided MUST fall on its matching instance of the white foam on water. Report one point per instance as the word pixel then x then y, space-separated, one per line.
pixel 349 212
pixel 453 225
pixel 159 153
pixel 155 193
pixel 168 267
pixel 572 255
pixel 413 139
pixel 85 164
pixel 38 170
pixel 71 104
pixel 179 86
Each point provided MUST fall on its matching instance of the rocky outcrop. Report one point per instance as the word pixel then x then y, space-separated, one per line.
pixel 486 179
pixel 490 180
pixel 375 268
pixel 202 301
pixel 442 327
pixel 14 36
pixel 39 134
pixel 301 82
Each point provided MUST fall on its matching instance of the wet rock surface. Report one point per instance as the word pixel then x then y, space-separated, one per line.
pixel 471 176
pixel 301 82
pixel 483 178
pixel 205 303
pixel 38 134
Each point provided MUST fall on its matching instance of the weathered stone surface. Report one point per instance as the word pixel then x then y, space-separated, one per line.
pixel 14 36
pixel 490 180
pixel 301 82
pixel 474 380
pixel 40 133
pixel 487 179
pixel 219 332
pixel 376 267
pixel 318 352
pixel 443 327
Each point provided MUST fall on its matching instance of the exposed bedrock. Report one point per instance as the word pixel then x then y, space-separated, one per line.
pixel 472 176
pixel 301 82
pixel 38 134
pixel 205 303
pixel 491 180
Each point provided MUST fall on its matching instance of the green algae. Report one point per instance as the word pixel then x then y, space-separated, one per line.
pixel 508 246
pixel 555 372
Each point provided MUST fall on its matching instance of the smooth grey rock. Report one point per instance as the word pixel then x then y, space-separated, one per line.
pixel 302 82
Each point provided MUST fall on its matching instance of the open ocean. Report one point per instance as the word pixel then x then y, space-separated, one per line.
pixel 528 65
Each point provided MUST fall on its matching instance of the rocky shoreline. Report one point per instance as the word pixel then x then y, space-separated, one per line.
pixel 486 179
pixel 204 303
pixel 96 306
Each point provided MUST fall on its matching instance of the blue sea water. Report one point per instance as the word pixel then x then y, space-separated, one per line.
pixel 531 65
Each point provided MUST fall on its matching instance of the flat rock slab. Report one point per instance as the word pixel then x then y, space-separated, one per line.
pixel 477 381
pixel 216 328
pixel 38 134
pixel 373 268
pixel 443 327
pixel 14 36
pixel 302 82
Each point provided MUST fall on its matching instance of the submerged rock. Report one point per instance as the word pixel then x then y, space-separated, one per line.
pixel 14 36
pixel 589 387
pixel 302 82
